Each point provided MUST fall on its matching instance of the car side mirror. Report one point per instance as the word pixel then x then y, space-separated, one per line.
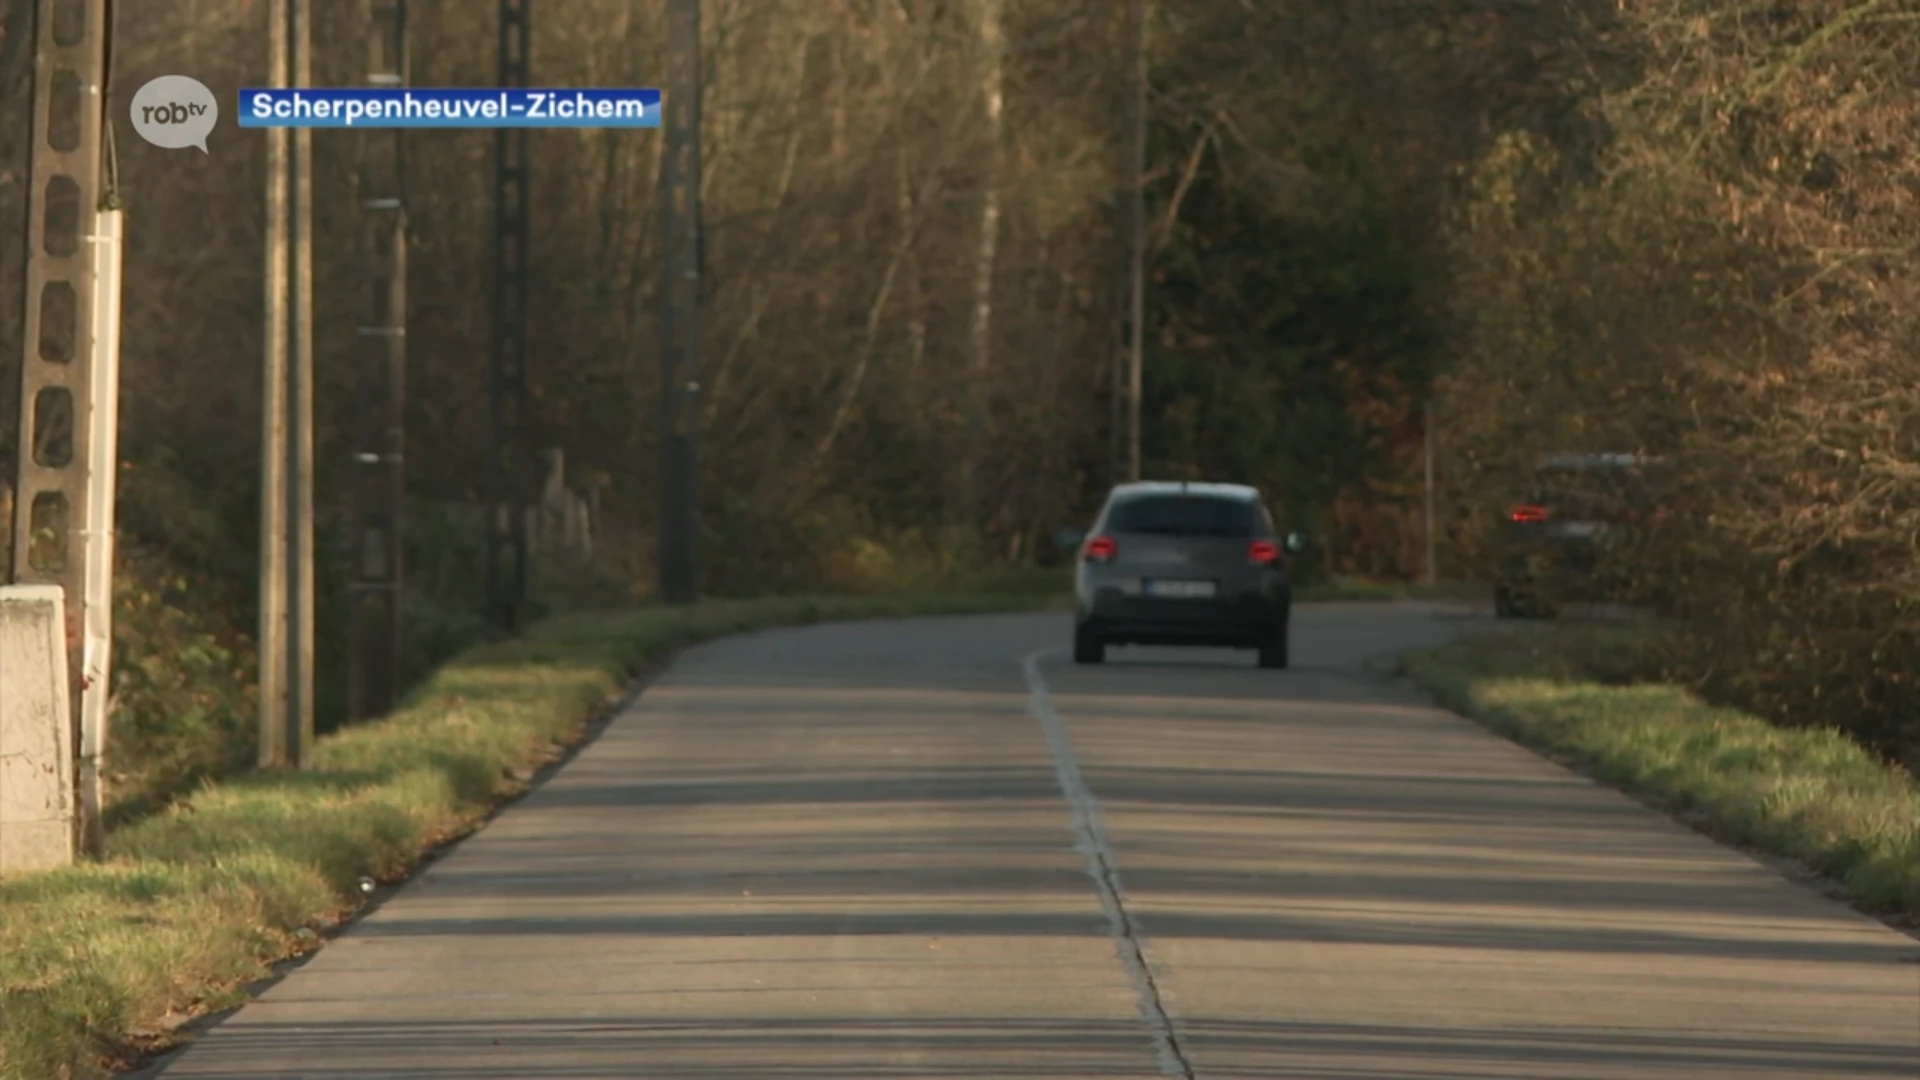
pixel 1295 543
pixel 1069 539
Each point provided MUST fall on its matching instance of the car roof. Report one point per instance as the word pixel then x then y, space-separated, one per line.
pixel 1185 487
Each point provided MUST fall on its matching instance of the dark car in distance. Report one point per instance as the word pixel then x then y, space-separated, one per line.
pixel 1564 539
pixel 1178 563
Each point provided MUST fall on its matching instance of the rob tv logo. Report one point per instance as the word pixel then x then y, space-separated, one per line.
pixel 174 111
pixel 171 113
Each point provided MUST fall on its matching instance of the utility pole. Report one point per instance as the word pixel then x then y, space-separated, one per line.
pixel 1137 232
pixel 679 529
pixel 300 630
pixel 373 673
pixel 273 415
pixel 286 533
pixel 69 371
pixel 507 522
pixel 1433 565
pixel 1116 380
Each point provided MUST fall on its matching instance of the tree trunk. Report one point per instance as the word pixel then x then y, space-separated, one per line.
pixel 916 296
pixel 975 438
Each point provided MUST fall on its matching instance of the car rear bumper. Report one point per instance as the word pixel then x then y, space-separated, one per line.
pixel 1569 574
pixel 1240 620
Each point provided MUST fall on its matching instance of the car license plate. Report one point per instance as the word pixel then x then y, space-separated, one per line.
pixel 1182 589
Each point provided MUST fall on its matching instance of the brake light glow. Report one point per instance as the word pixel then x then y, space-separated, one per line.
pixel 1263 553
pixel 1527 514
pixel 1101 549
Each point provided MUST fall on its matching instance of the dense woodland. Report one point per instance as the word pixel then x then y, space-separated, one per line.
pixel 1679 226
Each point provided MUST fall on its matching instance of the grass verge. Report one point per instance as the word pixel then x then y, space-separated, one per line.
pixel 1809 794
pixel 98 962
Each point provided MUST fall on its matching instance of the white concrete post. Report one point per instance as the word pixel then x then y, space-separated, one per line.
pixel 36 731
pixel 96 622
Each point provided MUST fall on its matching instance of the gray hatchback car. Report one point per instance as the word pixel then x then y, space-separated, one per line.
pixel 1176 563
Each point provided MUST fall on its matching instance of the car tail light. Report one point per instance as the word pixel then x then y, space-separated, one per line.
pixel 1263 553
pixel 1101 549
pixel 1527 513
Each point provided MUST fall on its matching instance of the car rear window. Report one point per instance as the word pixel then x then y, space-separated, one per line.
pixel 1184 515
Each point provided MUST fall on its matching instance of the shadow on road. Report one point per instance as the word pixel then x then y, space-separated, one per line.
pixel 844 852
pixel 847 1049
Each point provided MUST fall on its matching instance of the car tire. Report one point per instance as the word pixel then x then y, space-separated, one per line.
pixel 1273 651
pixel 1087 647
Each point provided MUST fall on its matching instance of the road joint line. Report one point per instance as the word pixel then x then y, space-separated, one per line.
pixel 1090 839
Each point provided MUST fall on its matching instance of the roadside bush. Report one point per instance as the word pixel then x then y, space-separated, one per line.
pixel 183 698
pixel 1724 281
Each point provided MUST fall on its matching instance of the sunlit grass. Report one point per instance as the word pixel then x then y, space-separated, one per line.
pixel 1811 794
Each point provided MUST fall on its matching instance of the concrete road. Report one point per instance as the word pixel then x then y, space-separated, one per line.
pixel 934 849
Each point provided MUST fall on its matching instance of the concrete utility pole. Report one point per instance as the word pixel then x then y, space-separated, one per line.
pixel 1433 563
pixel 1137 233
pixel 679 528
pixel 373 659
pixel 286 519
pixel 507 522
pixel 300 543
pixel 273 415
pixel 69 404
pixel 1116 429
